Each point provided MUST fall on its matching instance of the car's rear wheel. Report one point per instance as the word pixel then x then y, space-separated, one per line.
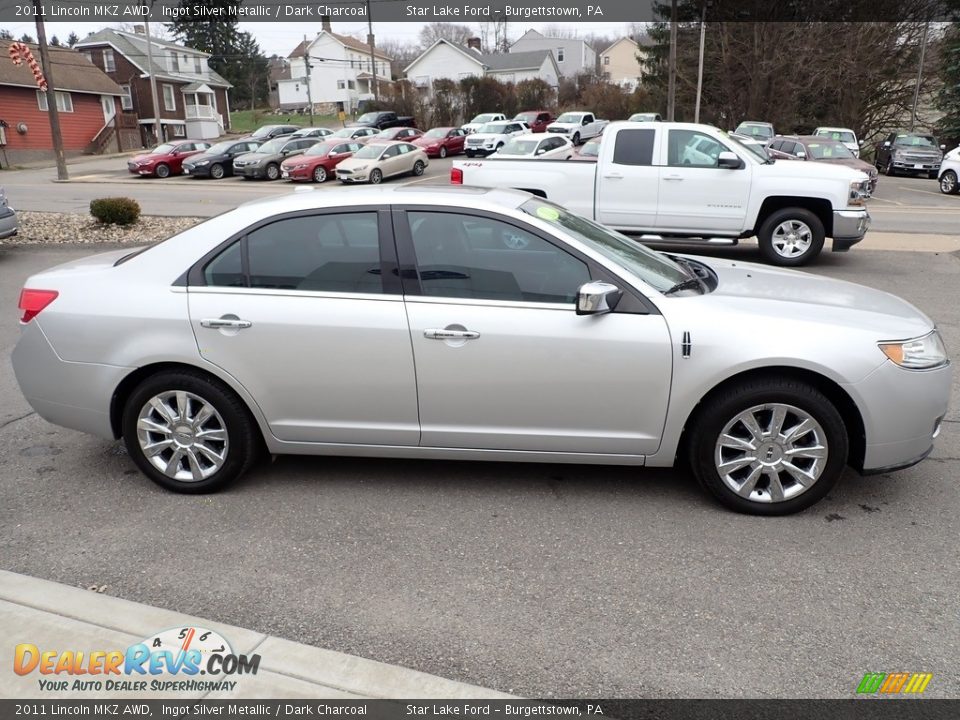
pixel 791 237
pixel 376 176
pixel 163 170
pixel 216 171
pixel 768 447
pixel 443 151
pixel 948 183
pixel 576 138
pixel 188 432
pixel 273 171
pixel 418 168
pixel 319 174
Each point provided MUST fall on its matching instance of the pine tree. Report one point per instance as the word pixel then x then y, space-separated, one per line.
pixel 26 38
pixel 72 39
pixel 55 42
pixel 220 37
pixel 5 34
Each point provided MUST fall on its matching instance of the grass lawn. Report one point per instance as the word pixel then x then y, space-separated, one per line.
pixel 246 121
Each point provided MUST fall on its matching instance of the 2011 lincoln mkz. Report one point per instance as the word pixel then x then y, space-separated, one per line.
pixel 478 324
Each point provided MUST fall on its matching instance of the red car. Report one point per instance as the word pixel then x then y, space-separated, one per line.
pixel 536 119
pixel 318 162
pixel 167 159
pixel 407 134
pixel 442 141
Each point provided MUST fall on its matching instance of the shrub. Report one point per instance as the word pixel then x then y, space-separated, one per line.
pixel 115 211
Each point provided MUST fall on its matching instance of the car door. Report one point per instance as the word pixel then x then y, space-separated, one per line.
pixel 502 359
pixel 305 312
pixel 455 139
pixel 696 195
pixel 390 162
pixel 629 184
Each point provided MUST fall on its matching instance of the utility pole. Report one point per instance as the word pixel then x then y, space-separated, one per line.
pixel 51 94
pixel 153 81
pixel 373 53
pixel 672 64
pixel 703 35
pixel 306 79
pixel 916 90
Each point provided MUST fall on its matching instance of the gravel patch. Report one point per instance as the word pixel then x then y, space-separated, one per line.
pixel 56 228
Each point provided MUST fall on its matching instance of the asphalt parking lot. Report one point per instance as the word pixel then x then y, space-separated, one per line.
pixel 540 580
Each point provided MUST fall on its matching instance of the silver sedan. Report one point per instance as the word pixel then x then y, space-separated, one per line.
pixel 476 324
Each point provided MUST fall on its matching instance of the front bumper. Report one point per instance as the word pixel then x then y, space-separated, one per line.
pixel 917 165
pixel 197 170
pixel 295 175
pixel 353 177
pixel 250 171
pixel 849 227
pixel 8 222
pixel 137 170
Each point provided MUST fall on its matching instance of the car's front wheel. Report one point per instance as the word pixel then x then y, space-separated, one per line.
pixel 443 151
pixel 216 171
pixel 376 176
pixel 791 237
pixel 576 138
pixel 768 447
pixel 319 174
pixel 890 171
pixel 418 168
pixel 948 183
pixel 188 432
pixel 273 171
pixel 163 170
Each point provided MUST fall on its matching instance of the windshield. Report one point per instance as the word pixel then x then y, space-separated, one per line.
pixel 828 150
pixel 591 149
pixel 273 147
pixel 344 133
pixel 485 118
pixel 162 149
pixel 916 141
pixel 319 149
pixel 494 128
pixel 437 133
pixel 844 136
pixel 653 268
pixel 569 118
pixel 757 151
pixel 754 130
pixel 369 152
pixel 643 117
pixel 526 117
pixel 519 147
pixel 368 117
pixel 220 148
pixel 264 131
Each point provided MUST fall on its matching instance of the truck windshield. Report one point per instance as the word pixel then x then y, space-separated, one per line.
pixel 755 150
pixel 569 118
pixel 655 269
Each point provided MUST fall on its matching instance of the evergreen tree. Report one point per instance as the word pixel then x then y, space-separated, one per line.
pixel 26 38
pixel 5 34
pixel 55 42
pixel 72 39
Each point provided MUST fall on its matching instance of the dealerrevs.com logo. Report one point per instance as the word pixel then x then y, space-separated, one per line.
pixel 169 661
pixel 894 683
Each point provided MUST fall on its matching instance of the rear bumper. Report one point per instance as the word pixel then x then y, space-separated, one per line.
pixel 849 227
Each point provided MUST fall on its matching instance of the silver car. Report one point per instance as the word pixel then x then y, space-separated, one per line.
pixel 8 218
pixel 468 323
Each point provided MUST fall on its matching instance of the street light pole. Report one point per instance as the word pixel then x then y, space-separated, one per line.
pixel 306 63
pixel 703 35
pixel 373 52
pixel 916 90
pixel 153 81
pixel 51 94
pixel 672 64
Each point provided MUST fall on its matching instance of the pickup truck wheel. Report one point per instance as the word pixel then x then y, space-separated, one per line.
pixel 791 237
pixel 576 138
pixel 768 447
pixel 932 174
pixel 948 183
pixel 889 169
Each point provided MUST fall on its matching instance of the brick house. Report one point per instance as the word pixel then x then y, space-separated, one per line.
pixel 86 98
pixel 193 98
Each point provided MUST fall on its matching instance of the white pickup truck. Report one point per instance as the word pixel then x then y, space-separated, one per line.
pixel 577 126
pixel 681 181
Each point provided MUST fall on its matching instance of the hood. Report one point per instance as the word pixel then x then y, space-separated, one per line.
pixel 200 157
pixel 565 125
pixel 255 157
pixel 789 169
pixel 487 136
pixel 855 163
pixel 779 293
pixel 147 157
pixel 352 162
pixel 918 150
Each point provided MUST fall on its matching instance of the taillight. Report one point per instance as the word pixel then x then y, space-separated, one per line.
pixel 32 302
pixel 456 176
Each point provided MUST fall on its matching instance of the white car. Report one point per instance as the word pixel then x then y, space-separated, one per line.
pixel 538 147
pixel 843 135
pixel 950 172
pixel 480 120
pixel 8 218
pixel 578 126
pixel 492 136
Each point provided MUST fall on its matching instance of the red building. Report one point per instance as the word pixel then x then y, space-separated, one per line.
pixel 87 99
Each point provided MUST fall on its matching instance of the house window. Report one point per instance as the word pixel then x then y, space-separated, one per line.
pixel 196 66
pixel 88 55
pixel 109 64
pixel 64 101
pixel 126 99
pixel 169 99
pixel 351 84
pixel 179 130
pixel 559 54
pixel 341 84
pixel 606 59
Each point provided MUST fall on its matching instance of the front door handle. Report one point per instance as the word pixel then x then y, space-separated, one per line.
pixel 673 178
pixel 225 323
pixel 451 334
pixel 614 176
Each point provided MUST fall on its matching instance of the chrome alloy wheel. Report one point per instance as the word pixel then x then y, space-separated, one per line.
pixel 182 435
pixel 771 453
pixel 792 238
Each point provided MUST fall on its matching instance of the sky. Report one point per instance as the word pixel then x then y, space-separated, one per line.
pixel 281 38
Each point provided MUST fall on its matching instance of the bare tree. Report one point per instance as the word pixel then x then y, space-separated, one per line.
pixel 453 32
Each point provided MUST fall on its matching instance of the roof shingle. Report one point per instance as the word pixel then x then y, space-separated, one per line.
pixel 71 71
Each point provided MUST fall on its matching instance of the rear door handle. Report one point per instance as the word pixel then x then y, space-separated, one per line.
pixel 614 176
pixel 225 323
pixel 673 178
pixel 451 334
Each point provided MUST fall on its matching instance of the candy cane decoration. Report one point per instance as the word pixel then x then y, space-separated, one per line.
pixel 18 53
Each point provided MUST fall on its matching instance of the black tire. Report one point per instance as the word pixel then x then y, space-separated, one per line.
pixel 769 226
pixel 272 172
pixel 376 176
pixel 246 177
pixel 319 174
pixel 243 436
pixel 723 407
pixel 418 168
pixel 932 174
pixel 217 171
pixel 949 184
pixel 889 170
pixel 469 154
pixel 443 152
pixel 163 170
pixel 576 138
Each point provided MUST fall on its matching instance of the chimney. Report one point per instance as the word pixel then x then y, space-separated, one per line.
pixel 139 29
pixel 474 44
pixel 325 22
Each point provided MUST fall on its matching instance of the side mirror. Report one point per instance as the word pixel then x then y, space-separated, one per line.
pixel 886 143
pixel 585 122
pixel 943 147
pixel 729 160
pixel 801 154
pixel 598 297
pixel 860 143
pixel 540 151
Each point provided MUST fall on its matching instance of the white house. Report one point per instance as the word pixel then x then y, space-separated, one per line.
pixel 620 64
pixel 573 55
pixel 339 72
pixel 449 60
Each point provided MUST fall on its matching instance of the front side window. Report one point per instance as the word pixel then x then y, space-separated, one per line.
pixel 480 258
pixel 337 252
pixel 691 148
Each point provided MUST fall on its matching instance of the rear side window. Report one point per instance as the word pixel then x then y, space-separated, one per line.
pixel 634 147
pixel 321 253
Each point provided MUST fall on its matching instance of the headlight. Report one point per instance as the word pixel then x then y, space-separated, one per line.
pixel 921 353
pixel 859 192
pixel 361 167
pixel 898 155
pixel 301 166
pixel 202 163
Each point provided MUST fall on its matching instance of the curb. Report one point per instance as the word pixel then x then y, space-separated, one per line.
pixel 52 615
